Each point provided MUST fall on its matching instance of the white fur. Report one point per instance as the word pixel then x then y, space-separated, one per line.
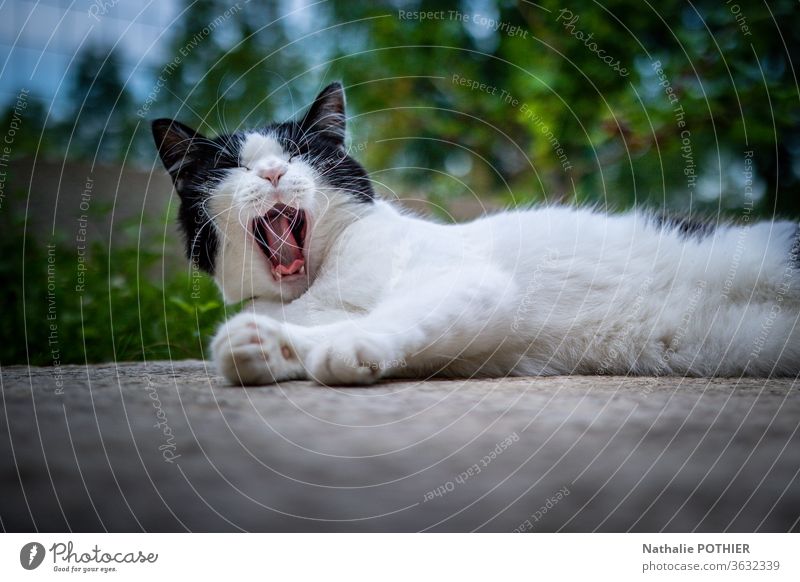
pixel 553 290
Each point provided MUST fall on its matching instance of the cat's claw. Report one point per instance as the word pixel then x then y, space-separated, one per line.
pixel 255 350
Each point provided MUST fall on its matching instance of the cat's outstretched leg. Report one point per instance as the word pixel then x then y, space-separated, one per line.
pixel 253 349
pixel 412 331
pixel 460 319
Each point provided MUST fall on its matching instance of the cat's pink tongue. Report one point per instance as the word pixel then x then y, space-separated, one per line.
pixel 287 256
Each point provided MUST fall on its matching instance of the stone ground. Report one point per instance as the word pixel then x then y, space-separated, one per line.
pixel 168 446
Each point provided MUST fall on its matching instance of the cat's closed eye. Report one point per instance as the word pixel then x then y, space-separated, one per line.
pixel 292 149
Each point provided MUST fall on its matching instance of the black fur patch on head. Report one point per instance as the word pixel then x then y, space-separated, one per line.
pixel 319 138
pixel 687 227
pixel 327 156
pixel 195 164
pixel 794 251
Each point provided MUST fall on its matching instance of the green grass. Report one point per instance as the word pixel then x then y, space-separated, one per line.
pixel 131 307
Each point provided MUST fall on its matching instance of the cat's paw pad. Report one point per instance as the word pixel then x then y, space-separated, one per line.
pixel 358 360
pixel 252 349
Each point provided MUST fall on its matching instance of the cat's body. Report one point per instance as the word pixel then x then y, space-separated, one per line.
pixel 342 288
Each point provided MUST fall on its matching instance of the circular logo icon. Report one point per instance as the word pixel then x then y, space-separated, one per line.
pixel 31 555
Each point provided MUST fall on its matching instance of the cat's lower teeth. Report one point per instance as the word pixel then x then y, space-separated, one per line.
pixel 296 268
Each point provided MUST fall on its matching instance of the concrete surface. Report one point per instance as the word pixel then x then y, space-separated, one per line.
pixel 167 446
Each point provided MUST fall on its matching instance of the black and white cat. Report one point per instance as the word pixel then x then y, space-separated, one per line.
pixel 343 288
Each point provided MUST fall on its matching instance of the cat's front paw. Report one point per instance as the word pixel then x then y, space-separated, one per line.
pixel 253 349
pixel 359 359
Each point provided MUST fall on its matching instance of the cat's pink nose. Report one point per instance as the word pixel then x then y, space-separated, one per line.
pixel 273 174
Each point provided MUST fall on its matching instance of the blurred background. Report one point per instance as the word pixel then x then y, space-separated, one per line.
pixel 456 108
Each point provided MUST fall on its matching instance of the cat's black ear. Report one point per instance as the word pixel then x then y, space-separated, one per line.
pixel 178 145
pixel 326 117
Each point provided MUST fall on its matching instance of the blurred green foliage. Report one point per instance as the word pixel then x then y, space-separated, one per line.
pixel 539 116
pixel 238 65
pixel 418 128
pixel 127 309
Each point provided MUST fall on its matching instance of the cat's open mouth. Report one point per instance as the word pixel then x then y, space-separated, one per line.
pixel 281 235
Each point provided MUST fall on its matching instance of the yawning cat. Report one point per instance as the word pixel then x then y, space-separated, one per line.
pixel 343 288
